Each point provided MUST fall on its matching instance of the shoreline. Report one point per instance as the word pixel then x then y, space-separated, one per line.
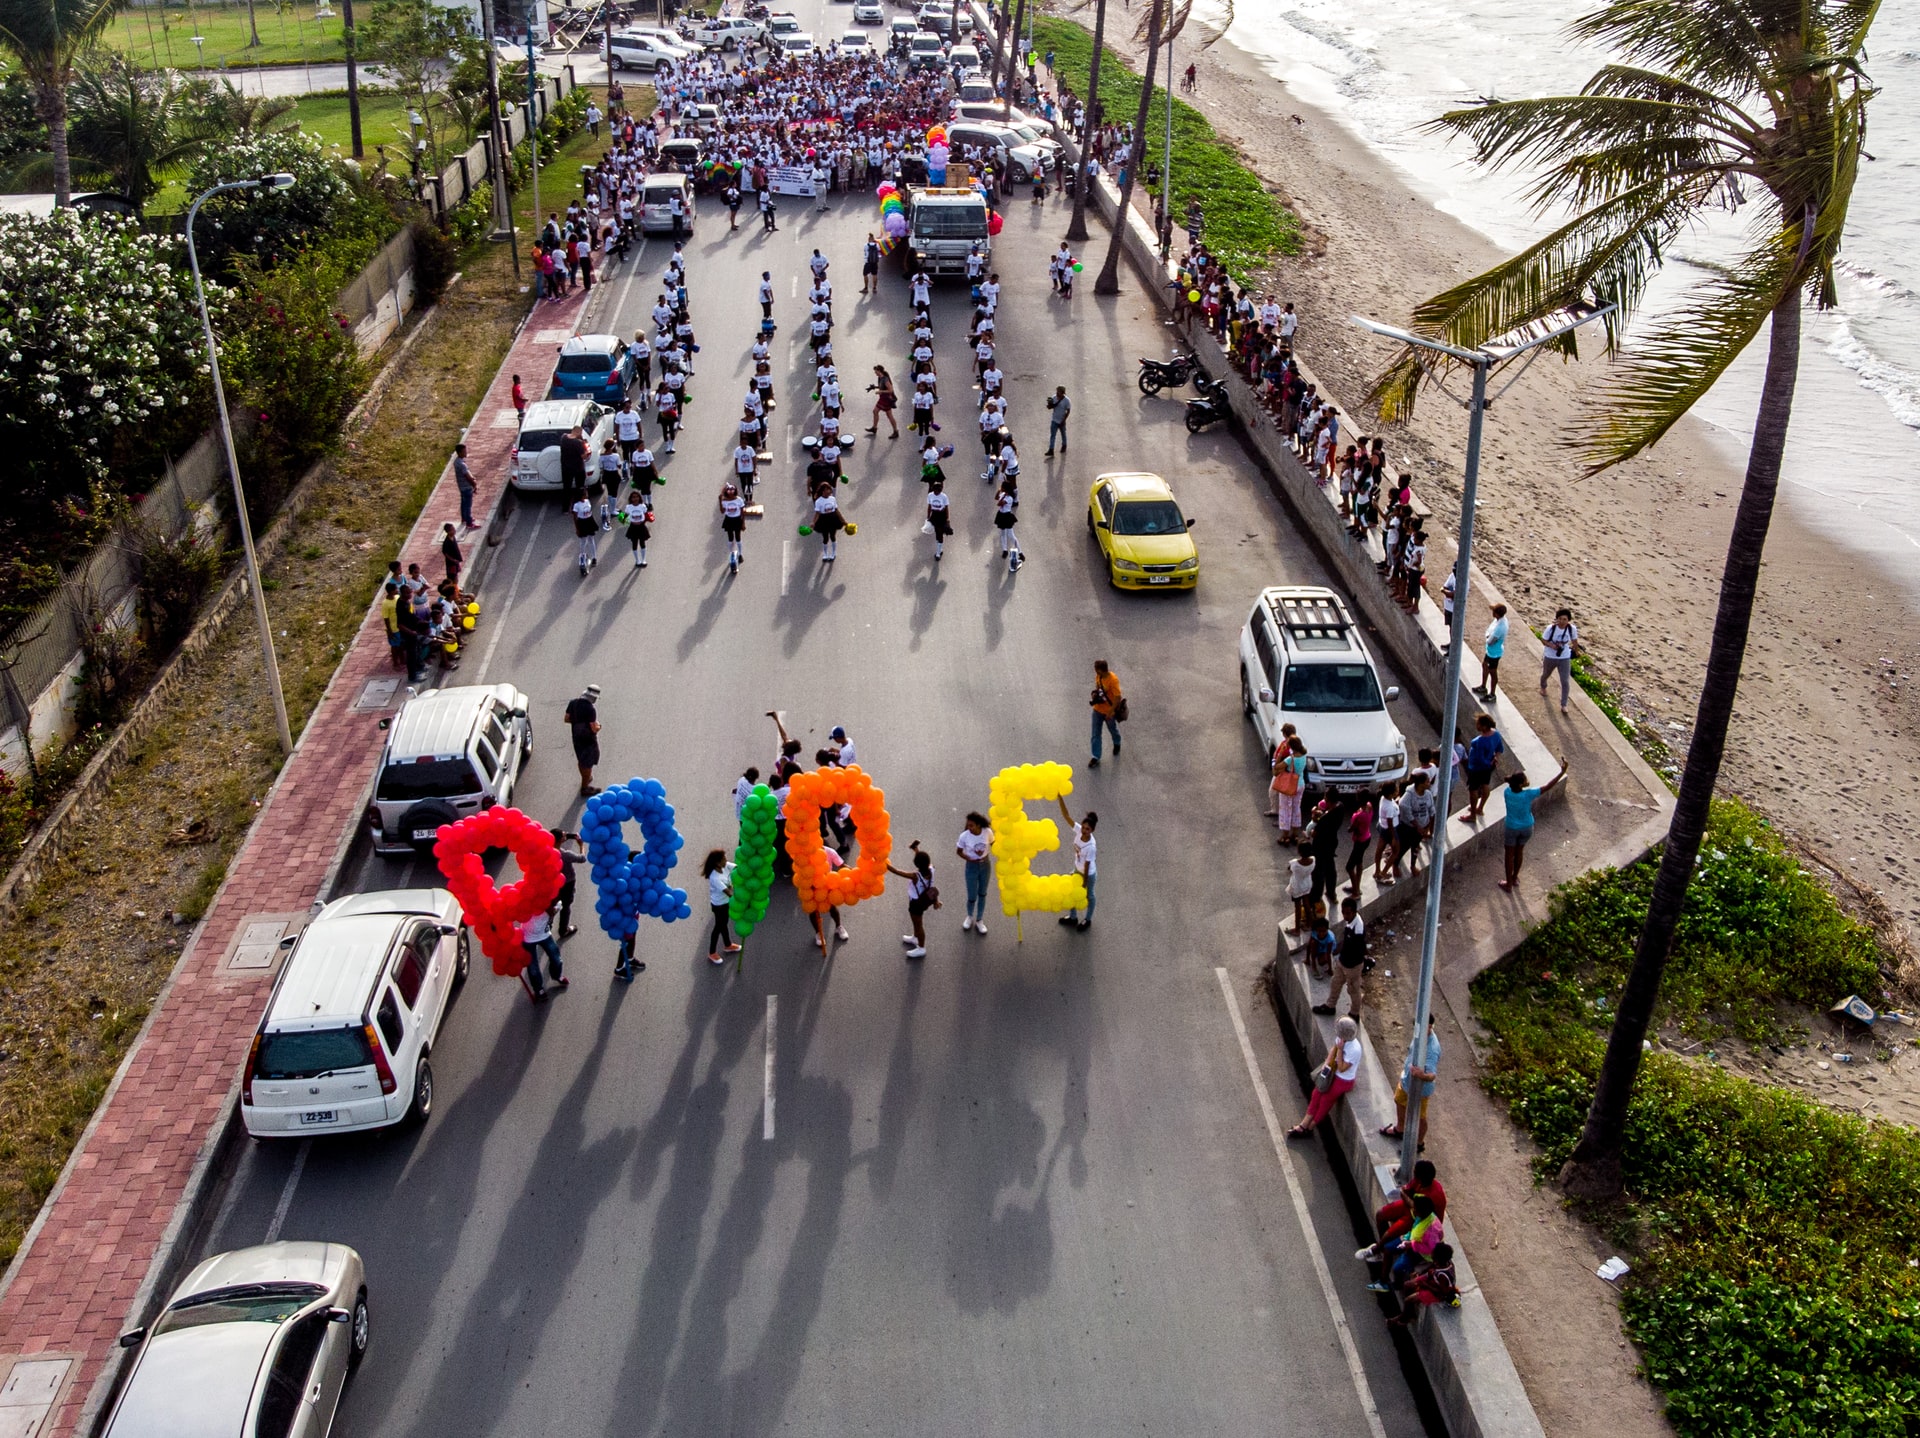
pixel 1550 535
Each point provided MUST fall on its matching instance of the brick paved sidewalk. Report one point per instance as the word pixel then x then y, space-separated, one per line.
pixel 72 1287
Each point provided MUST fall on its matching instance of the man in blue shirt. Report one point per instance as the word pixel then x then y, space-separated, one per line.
pixel 1520 800
pixel 1482 754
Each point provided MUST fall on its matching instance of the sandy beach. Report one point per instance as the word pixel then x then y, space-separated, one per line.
pixel 1827 723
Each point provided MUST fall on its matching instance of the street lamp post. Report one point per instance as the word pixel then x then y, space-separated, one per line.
pixel 533 122
pixel 263 182
pixel 1481 362
pixel 496 132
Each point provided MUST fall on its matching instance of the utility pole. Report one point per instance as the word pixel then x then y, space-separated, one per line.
pixel 353 79
pixel 496 141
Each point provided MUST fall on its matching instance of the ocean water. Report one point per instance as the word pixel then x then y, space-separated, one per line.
pixel 1382 67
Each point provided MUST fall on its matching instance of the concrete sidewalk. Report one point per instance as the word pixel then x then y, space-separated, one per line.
pixel 101 1253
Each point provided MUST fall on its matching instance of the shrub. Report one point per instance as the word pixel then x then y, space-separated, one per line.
pixel 435 258
pixel 113 668
pixel 175 575
pixel 471 220
pixel 266 226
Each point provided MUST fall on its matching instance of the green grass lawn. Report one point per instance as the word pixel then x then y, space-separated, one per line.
pixel 162 35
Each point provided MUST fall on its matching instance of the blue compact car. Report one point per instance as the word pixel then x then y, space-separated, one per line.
pixel 592 367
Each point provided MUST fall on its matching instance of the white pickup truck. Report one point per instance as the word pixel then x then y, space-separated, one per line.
pixel 729 32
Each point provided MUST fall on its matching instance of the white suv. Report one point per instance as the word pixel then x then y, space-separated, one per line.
pixel 535 464
pixel 1302 662
pixel 449 753
pixel 343 1045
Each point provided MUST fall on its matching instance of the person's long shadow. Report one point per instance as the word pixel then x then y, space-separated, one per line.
pixel 511 1311
pixel 898 1097
pixel 695 634
pixel 923 580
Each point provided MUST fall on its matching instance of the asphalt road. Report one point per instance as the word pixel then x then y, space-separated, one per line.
pixel 1018 1187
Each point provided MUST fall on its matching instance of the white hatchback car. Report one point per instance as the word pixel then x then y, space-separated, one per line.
pixel 344 1043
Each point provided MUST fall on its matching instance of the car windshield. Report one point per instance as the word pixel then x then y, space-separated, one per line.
pixel 1148 516
pixel 428 779
pixel 962 220
pixel 250 1303
pixel 585 364
pixel 1330 689
pixel 308 1053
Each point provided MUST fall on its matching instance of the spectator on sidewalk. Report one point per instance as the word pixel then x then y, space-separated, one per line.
pixel 1418 811
pixel 450 552
pixel 1562 642
pixel 1351 961
pixel 1482 754
pixel 1336 1074
pixel 1417 1077
pixel 583 718
pixel 463 477
pixel 1433 1283
pixel 1395 1216
pixel 1404 1256
pixel 1519 826
pixel 1496 648
pixel 390 617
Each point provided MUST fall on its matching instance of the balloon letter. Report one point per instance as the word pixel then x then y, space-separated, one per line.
pixel 1017 839
pixel 631 884
pixel 753 860
pixel 497 914
pixel 822 888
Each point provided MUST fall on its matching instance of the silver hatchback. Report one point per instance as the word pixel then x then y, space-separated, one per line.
pixel 258 1341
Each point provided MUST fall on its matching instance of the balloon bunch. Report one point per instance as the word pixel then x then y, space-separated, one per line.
pixel 821 886
pixel 496 914
pixel 753 860
pixel 937 135
pixel 995 222
pixel 631 884
pixel 1017 839
pixel 893 212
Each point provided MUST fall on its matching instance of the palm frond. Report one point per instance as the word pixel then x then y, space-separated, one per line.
pixel 1634 82
pixel 1668 370
pixel 1591 179
pixel 1714 43
pixel 1553 128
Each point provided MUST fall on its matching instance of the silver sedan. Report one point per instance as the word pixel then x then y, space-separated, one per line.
pixel 258 1341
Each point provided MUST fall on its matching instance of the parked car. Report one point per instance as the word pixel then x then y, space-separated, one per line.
pixel 656 202
pixel 629 51
pixel 535 462
pixel 449 753
pixel 1303 662
pixel 259 1341
pixel 1142 534
pixel 592 367
pixel 345 1042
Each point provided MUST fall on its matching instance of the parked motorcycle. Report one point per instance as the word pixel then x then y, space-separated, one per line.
pixel 1212 405
pixel 1156 375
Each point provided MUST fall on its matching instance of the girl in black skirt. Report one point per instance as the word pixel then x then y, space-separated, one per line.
pixel 639 527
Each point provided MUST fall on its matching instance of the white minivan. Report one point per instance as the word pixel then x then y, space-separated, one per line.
pixel 633 51
pixel 344 1043
pixel 656 202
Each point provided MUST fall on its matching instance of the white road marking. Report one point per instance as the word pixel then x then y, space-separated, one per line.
pixel 626 285
pixel 286 1192
pixel 766 1112
pixel 793 288
pixel 786 566
pixel 513 593
pixel 1300 1211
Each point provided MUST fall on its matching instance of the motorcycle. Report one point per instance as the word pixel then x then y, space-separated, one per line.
pixel 1156 375
pixel 1212 405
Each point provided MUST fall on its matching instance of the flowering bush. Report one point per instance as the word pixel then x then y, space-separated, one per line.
pixel 267 226
pixel 102 363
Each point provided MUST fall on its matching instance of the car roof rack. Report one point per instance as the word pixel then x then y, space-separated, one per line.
pixel 1309 617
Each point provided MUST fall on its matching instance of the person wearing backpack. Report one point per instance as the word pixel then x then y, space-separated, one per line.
pixel 1109 708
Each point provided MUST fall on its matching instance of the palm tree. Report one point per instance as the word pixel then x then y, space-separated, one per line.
pixel 131 125
pixel 48 37
pixel 1713 102
pixel 1109 281
pixel 226 110
pixel 1077 227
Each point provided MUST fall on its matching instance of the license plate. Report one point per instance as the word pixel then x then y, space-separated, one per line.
pixel 420 835
pixel 320 1115
pixel 1159 579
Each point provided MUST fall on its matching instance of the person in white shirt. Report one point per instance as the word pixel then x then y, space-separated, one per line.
pixel 719 876
pixel 1342 1064
pixel 975 846
pixel 1496 647
pixel 1289 322
pixel 587 529
pixel 1386 821
pixel 922 894
pixel 1562 641
pixel 537 934
pixel 939 515
pixel 1085 862
pixel 743 790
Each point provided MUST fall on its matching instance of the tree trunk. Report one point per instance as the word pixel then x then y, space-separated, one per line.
pixel 253 28
pixel 1077 229
pixel 53 111
pixel 1109 281
pixel 353 78
pixel 1595 1169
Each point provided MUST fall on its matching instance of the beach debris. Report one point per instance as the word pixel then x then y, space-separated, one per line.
pixel 1856 1008
pixel 1613 1270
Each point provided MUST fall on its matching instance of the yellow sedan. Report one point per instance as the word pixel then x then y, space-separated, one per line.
pixel 1137 523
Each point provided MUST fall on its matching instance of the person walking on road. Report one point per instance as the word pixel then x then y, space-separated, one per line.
pixel 1085 862
pixel 587 530
pixel 1006 505
pixel 733 523
pixel 939 515
pixel 1108 706
pixel 1562 641
pixel 975 846
pixel 766 295
pixel 921 896
pixel 1519 826
pixel 537 935
pixel 1059 407
pixel 885 401
pixel 583 718
pixel 639 527
pixel 719 876
pixel 870 267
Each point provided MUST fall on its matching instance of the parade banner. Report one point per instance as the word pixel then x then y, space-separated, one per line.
pixel 791 180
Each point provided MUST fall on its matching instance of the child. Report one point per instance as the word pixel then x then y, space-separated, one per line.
pixel 1386 824
pixel 1320 949
pixel 1435 1283
pixel 519 398
pixel 1300 888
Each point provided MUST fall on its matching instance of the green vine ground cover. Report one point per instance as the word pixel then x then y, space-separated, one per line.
pixel 1245 225
pixel 1775 1243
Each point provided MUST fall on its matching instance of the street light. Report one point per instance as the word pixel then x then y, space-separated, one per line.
pixel 1528 340
pixel 262 182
